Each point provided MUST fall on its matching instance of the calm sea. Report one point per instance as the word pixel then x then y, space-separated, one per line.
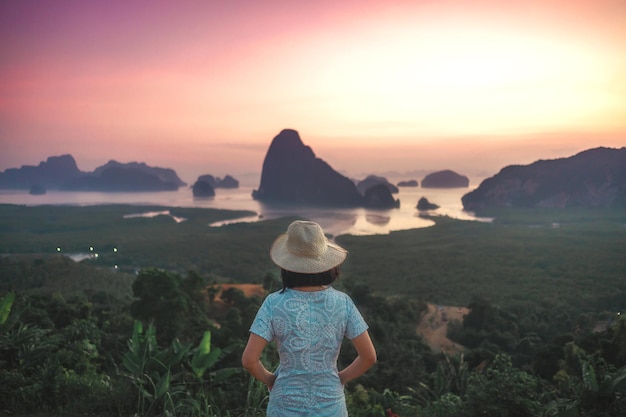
pixel 357 221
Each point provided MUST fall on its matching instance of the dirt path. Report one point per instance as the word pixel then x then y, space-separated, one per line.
pixel 249 290
pixel 434 327
pixel 220 307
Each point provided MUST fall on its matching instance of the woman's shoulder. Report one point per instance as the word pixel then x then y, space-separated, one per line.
pixel 272 297
pixel 339 294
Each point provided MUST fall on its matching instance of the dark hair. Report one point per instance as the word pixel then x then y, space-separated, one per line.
pixel 297 279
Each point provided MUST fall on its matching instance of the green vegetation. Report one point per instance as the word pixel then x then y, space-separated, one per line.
pixel 580 264
pixel 543 336
pixel 138 242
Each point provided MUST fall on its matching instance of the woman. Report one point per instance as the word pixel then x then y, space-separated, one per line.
pixel 307 320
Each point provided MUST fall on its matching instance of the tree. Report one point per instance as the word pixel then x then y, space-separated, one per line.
pixel 502 390
pixel 589 385
pixel 160 298
pixel 271 282
pixel 480 315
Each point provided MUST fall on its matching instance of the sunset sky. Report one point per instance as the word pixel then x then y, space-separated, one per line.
pixel 203 86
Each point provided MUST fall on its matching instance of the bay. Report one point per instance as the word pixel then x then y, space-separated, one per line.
pixel 334 221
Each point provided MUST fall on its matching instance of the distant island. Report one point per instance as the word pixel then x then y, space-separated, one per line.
pixel 37 189
pixel 216 182
pixel 424 205
pixel 445 179
pixel 203 189
pixel 292 174
pixel 49 174
pixel 408 183
pixel 206 184
pixel 372 180
pixel 592 178
pixel 62 173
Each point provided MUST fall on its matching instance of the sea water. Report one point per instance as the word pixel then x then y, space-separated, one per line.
pixel 335 221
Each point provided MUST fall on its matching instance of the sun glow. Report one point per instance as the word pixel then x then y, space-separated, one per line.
pixel 466 82
pixel 210 83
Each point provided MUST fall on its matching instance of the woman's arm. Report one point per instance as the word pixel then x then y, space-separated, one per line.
pixel 251 360
pixel 366 357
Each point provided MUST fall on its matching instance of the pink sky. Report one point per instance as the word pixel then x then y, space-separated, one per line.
pixel 372 86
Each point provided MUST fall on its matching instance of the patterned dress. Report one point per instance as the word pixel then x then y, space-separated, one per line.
pixel 308 328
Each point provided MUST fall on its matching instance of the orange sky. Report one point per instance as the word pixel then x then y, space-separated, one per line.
pixel 372 86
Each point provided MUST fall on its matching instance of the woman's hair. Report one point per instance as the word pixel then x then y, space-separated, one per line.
pixel 297 279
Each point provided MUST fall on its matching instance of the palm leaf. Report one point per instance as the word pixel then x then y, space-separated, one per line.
pixel 589 378
pixel 5 307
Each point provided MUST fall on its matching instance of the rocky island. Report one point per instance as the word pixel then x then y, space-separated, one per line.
pixel 445 179
pixel 217 182
pixel 408 183
pixel 592 178
pixel 292 174
pixel 202 188
pixel 62 173
pixel 372 180
pixel 49 174
pixel 424 205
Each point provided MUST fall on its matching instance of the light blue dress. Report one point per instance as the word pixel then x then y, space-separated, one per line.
pixel 308 329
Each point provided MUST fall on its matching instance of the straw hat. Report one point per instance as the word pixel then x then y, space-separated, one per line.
pixel 305 249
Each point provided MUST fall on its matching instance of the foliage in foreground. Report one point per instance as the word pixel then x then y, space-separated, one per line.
pixel 539 339
pixel 58 357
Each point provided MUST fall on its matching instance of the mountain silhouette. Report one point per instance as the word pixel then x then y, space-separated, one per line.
pixel 445 179
pixel 292 174
pixel 62 173
pixel 592 178
pixel 51 174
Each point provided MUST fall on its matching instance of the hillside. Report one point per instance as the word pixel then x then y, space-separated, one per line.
pixel 593 178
